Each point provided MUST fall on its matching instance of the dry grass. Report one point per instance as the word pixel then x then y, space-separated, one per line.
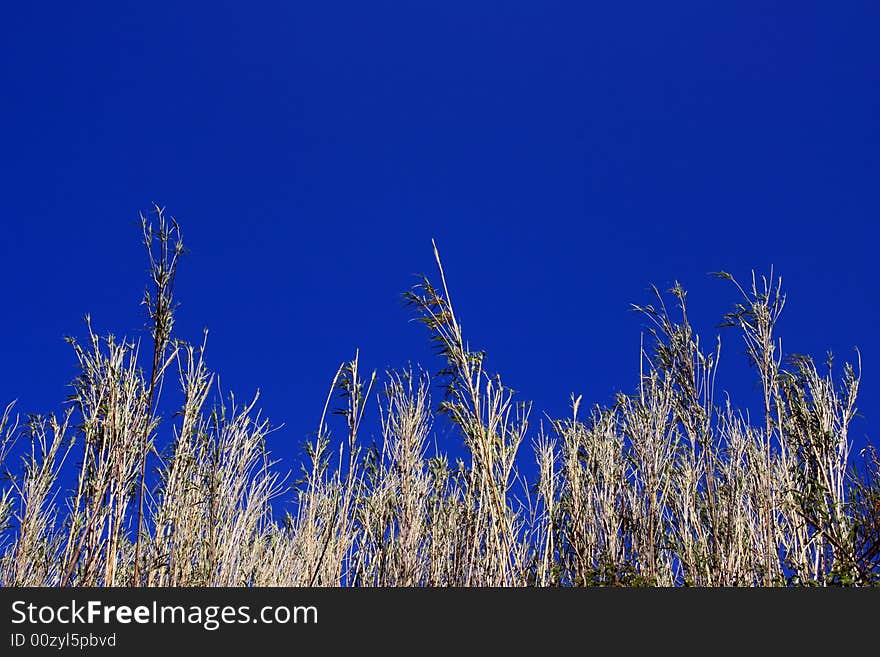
pixel 668 487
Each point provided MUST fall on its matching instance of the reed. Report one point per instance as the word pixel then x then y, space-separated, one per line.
pixel 666 487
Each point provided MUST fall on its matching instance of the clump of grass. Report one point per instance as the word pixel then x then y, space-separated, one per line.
pixel 666 487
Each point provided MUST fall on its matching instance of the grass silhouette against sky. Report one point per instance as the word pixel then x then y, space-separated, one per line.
pixel 563 157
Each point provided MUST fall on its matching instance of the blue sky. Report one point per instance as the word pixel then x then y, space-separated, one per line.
pixel 563 155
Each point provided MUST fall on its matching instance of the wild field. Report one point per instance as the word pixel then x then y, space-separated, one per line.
pixel 670 486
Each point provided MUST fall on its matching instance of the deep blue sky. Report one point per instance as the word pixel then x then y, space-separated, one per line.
pixel 563 155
